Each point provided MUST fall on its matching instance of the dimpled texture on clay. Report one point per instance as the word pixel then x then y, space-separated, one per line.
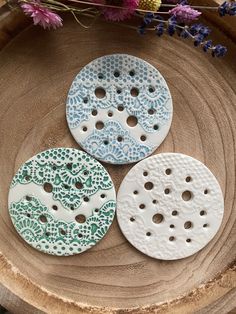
pixel 132 89
pixel 169 206
pixel 62 201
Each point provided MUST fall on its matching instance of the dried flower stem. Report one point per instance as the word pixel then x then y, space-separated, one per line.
pixel 138 10
pixel 180 16
pixel 192 6
pixel 73 10
pixel 186 28
pixel 76 10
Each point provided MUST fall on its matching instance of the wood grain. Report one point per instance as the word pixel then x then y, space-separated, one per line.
pixel 37 68
pixel 14 304
pixel 11 23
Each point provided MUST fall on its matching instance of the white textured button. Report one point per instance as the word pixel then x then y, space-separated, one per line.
pixel 119 108
pixel 169 206
pixel 62 201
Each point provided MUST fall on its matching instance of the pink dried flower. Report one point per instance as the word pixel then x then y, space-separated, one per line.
pixel 41 15
pixel 184 13
pixel 113 14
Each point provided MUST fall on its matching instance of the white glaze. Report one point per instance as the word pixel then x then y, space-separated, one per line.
pixel 157 244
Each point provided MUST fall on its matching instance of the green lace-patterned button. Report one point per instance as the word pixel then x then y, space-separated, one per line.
pixel 62 201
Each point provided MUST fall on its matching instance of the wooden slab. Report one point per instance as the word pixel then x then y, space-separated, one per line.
pixel 36 70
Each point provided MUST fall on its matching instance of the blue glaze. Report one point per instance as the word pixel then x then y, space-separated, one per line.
pixel 118 75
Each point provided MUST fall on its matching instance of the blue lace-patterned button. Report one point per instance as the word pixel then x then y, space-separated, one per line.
pixel 119 108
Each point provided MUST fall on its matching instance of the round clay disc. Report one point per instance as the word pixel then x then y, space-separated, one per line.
pixel 62 201
pixel 119 108
pixel 169 206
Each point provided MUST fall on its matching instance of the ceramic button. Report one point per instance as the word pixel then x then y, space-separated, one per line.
pixel 119 108
pixel 169 206
pixel 62 201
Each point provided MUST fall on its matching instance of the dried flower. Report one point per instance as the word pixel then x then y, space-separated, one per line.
pixel 184 33
pixel 41 15
pixel 160 29
pixel 196 29
pixel 148 18
pixel 141 29
pixel 172 22
pixel 196 32
pixel 199 33
pixel 207 45
pixel 198 39
pixel 204 31
pixel 113 14
pixel 151 5
pixel 184 13
pixel 227 8
pixel 117 10
pixel 219 51
pixel 184 2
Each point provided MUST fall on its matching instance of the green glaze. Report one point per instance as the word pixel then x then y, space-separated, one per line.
pixel 63 168
pixel 48 237
pixel 58 232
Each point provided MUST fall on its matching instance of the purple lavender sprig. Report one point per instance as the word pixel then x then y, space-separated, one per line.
pixel 147 20
pixel 184 13
pixel 181 8
pixel 197 32
pixel 227 8
pixel 171 26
